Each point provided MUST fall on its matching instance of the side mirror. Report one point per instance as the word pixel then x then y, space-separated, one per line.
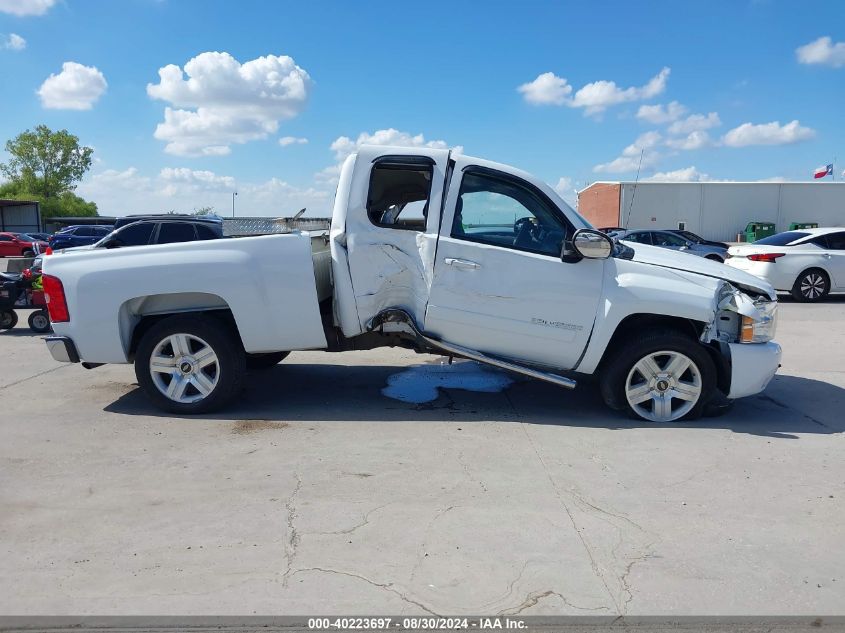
pixel 588 244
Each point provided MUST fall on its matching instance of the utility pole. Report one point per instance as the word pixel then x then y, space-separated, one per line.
pixel 234 193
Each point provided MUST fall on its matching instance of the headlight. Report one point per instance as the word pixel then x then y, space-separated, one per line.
pixel 761 328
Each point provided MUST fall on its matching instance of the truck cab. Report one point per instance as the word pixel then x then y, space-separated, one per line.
pixel 435 251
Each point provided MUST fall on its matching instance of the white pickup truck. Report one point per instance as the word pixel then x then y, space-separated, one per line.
pixel 432 251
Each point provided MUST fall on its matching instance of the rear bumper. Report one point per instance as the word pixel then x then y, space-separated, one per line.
pixel 62 349
pixel 753 365
pixel 779 278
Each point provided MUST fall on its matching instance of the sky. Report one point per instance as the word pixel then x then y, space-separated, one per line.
pixel 187 101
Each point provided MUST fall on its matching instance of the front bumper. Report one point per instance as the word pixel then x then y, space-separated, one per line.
pixel 753 365
pixel 62 349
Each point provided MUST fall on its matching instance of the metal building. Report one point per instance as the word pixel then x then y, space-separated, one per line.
pixel 20 216
pixel 714 210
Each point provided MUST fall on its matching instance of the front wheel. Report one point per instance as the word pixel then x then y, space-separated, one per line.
pixel 811 285
pixel 28 253
pixel 39 322
pixel 190 364
pixel 661 376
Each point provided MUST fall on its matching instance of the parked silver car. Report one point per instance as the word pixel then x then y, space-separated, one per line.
pixel 667 239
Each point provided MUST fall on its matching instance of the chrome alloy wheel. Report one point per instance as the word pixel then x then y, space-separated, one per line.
pixel 184 368
pixel 812 285
pixel 663 386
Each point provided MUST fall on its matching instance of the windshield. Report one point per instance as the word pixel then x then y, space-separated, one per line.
pixel 782 239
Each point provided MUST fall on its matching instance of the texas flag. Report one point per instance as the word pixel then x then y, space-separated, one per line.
pixel 821 172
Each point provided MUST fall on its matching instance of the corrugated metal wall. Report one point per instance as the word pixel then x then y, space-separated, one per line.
pixel 20 218
pixel 718 211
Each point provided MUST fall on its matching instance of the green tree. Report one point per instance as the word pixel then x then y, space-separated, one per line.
pixel 46 163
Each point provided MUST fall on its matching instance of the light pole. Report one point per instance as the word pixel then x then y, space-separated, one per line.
pixel 234 193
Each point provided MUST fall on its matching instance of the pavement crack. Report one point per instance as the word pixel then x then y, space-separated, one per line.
pixel 593 563
pixel 469 474
pixel 783 405
pixel 293 536
pixel 422 555
pixel 626 587
pixel 533 598
pixel 387 586
pixel 365 521
pixel 40 373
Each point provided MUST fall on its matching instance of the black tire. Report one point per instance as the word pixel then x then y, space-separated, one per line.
pixel 228 371
pixel 39 322
pixel 28 253
pixel 810 286
pixel 265 361
pixel 714 258
pixel 616 370
pixel 8 319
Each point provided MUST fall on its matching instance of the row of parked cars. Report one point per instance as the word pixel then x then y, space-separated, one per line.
pixel 23 290
pixel 807 263
pixel 127 231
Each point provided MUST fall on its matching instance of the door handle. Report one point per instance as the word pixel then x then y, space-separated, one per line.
pixel 462 263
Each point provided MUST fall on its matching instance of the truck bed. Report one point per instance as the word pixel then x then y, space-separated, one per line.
pixel 271 284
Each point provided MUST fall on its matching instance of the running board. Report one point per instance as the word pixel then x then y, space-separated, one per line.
pixel 399 321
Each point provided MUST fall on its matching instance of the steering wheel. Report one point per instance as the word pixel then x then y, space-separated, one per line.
pixel 522 224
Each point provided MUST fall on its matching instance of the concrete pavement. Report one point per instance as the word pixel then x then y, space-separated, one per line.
pixel 317 494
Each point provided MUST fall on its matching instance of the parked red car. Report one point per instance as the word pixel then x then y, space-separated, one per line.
pixel 20 244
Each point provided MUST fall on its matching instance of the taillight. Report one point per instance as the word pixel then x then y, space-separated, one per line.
pixel 765 257
pixel 54 295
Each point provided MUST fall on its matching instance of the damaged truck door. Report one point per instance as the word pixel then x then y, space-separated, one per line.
pixel 499 283
pixel 392 220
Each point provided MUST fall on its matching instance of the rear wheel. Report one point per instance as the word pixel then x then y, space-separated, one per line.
pixel 714 258
pixel 662 376
pixel 8 319
pixel 811 285
pixel 190 364
pixel 265 361
pixel 28 253
pixel 39 321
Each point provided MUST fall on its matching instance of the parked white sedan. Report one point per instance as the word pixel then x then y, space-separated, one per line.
pixel 809 263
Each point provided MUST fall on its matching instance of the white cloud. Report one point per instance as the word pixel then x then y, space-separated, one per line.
pixel 694 140
pixel 181 179
pixel 767 134
pixel 595 97
pixel 184 190
pixel 630 159
pixel 659 114
pixel 344 146
pixel 292 140
pixel 687 174
pixel 77 87
pixel 565 190
pixel 223 102
pixel 547 89
pixel 26 7
pixel 13 43
pixel 599 95
pixel 822 51
pixel 695 123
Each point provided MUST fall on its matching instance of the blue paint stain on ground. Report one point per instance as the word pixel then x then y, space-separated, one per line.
pixel 420 383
